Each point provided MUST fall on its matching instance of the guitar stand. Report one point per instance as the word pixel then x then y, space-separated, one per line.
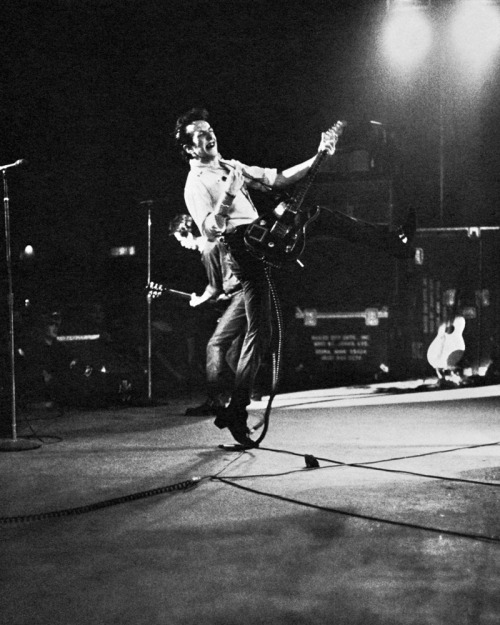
pixel 449 378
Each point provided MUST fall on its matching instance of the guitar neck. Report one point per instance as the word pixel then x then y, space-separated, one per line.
pixel 159 290
pixel 305 184
pixel 179 293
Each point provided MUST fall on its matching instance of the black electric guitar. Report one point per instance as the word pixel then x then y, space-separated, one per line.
pixel 279 236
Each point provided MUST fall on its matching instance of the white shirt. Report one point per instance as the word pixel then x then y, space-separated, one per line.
pixel 206 184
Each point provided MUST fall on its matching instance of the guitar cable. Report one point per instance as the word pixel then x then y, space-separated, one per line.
pixel 276 355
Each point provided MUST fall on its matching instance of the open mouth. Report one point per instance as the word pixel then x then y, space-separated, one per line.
pixel 210 145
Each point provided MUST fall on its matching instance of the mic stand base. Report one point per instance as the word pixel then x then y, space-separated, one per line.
pixel 18 444
pixel 235 447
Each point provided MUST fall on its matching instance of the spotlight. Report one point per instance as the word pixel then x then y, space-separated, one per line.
pixel 28 252
pixel 475 31
pixel 407 35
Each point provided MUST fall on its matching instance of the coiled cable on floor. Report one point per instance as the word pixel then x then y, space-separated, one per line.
pixel 41 516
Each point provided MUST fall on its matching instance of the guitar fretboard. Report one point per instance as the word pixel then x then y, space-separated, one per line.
pixel 304 187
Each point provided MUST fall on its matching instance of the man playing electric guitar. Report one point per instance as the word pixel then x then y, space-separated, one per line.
pixel 216 195
pixel 217 198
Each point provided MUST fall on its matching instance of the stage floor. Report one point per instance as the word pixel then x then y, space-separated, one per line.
pixel 136 516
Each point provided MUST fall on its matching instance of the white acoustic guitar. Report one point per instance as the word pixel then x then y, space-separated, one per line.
pixel 448 347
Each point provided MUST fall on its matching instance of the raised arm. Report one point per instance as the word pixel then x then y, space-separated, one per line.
pixel 328 143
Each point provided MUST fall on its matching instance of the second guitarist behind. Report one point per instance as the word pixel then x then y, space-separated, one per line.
pixel 223 347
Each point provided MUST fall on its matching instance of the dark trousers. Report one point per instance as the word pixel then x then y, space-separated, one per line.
pixel 257 302
pixel 224 348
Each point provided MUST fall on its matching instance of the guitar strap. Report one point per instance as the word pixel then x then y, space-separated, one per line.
pixel 247 195
pixel 244 189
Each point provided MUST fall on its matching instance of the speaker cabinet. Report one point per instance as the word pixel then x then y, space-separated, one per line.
pixel 345 306
pixel 337 348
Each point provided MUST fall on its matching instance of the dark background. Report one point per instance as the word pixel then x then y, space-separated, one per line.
pixel 91 91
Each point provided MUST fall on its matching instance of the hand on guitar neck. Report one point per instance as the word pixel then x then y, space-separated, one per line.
pixel 330 137
pixel 199 300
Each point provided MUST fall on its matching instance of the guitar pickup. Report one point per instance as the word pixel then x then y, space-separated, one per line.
pixel 256 232
pixel 280 230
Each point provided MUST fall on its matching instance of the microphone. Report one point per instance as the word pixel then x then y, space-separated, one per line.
pixel 152 202
pixel 21 161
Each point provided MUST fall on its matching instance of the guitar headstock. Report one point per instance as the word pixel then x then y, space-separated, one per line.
pixel 155 290
pixel 331 136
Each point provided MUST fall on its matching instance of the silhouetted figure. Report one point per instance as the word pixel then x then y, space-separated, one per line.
pixel 45 371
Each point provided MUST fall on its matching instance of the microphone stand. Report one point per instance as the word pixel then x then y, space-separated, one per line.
pixel 150 377
pixel 149 204
pixel 149 299
pixel 14 443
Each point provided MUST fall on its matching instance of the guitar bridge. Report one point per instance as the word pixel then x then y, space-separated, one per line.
pixel 280 230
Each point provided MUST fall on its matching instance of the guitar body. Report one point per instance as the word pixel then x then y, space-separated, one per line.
pixel 448 348
pixel 280 236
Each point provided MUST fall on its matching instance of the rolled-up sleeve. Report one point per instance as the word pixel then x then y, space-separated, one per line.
pixel 262 177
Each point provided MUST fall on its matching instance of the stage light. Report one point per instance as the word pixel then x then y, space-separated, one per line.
pixel 475 32
pixel 28 252
pixel 407 34
pixel 123 251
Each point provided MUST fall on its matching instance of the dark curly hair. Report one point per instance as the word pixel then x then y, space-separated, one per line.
pixel 183 224
pixel 183 138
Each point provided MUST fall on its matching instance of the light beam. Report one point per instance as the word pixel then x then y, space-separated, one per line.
pixel 475 32
pixel 407 35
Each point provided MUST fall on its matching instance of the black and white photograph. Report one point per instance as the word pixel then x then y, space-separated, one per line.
pixel 250 312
